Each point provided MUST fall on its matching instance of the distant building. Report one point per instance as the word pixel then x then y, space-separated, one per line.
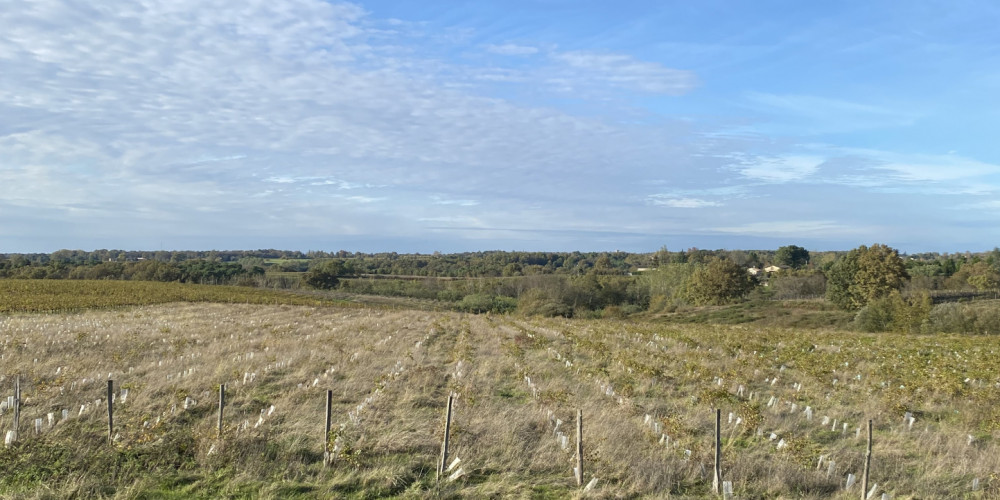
pixel 754 271
pixel 772 269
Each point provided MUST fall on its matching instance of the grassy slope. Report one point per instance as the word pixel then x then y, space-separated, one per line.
pixel 67 295
pixel 391 372
pixel 788 313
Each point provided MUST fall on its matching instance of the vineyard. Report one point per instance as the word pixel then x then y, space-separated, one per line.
pixel 795 405
pixel 27 296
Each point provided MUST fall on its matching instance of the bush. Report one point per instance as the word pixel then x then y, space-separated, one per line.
pixel 503 304
pixel 894 313
pixel 957 317
pixel 480 303
pixel 536 302
pixel 613 312
pixel 718 282
pixel 476 303
pixel 449 295
pixel 325 276
pixel 951 317
pixel 874 317
pixel 988 321
pixel 798 287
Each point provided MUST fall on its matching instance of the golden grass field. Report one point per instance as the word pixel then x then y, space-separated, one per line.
pixel 647 390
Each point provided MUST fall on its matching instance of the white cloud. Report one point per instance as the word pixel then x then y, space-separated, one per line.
pixel 895 172
pixel 939 169
pixel 624 71
pixel 438 200
pixel 778 169
pixel 450 220
pixel 280 180
pixel 807 114
pixel 364 199
pixel 987 205
pixel 149 119
pixel 804 228
pixel 162 112
pixel 682 202
pixel 511 49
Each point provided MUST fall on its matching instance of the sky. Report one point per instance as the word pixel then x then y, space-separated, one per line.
pixel 548 125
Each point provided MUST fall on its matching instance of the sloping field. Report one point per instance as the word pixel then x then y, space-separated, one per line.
pixel 799 403
pixel 20 296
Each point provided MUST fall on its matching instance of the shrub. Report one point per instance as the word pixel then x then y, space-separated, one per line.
pixel 950 318
pixel 718 282
pixel 797 287
pixel 449 295
pixel 476 303
pixel 482 302
pixel 536 302
pixel 875 317
pixel 988 321
pixel 894 313
pixel 325 276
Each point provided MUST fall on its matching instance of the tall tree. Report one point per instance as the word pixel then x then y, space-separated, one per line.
pixel 982 276
pixel 325 276
pixel 792 256
pixel 863 275
pixel 719 281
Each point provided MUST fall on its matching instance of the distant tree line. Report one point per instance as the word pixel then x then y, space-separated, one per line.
pixel 886 289
pixel 189 271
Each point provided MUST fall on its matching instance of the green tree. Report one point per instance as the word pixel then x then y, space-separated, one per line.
pixel 792 256
pixel 324 276
pixel 982 275
pixel 863 275
pixel 661 257
pixel 895 313
pixel 718 281
pixel 993 259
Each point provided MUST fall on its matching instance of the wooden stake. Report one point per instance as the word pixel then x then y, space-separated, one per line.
pixel 17 406
pixel 579 447
pixel 111 412
pixel 222 404
pixel 329 421
pixel 444 444
pixel 868 463
pixel 717 476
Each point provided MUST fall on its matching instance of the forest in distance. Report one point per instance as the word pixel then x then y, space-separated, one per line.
pixel 871 288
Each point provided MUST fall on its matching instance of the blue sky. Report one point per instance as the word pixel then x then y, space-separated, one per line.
pixel 513 125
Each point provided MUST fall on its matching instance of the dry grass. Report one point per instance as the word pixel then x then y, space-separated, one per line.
pixel 391 373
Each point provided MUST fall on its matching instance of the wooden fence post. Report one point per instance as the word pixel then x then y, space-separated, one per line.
pixel 222 404
pixel 111 412
pixel 579 447
pixel 868 463
pixel 444 444
pixel 329 421
pixel 17 407
pixel 717 475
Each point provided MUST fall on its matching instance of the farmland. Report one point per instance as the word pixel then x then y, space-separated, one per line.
pixel 799 401
pixel 19 296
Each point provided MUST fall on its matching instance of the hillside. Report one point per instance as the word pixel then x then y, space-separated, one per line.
pixel 647 393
